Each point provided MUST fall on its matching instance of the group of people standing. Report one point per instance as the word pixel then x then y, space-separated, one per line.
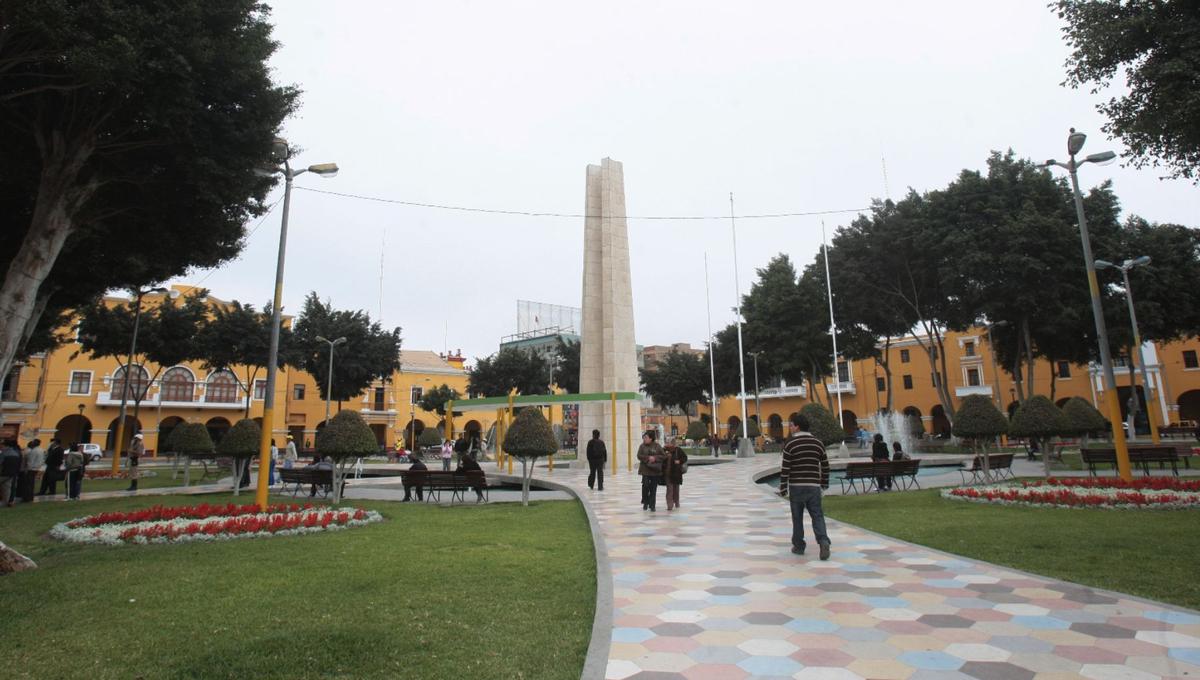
pixel 20 468
pixel 659 465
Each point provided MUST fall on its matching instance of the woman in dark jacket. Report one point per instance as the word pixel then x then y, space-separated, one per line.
pixel 650 467
pixel 674 465
pixel 880 454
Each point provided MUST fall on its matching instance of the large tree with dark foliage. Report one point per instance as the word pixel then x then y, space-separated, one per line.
pixel 566 365
pixel 239 335
pixel 679 380
pixel 370 352
pixel 131 131
pixel 1156 44
pixel 507 370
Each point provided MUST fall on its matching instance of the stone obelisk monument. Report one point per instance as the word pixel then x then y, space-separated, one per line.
pixel 608 355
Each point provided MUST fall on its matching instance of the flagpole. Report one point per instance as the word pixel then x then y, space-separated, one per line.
pixel 712 372
pixel 832 327
pixel 745 448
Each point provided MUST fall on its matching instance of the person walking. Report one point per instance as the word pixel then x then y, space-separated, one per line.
pixel 76 465
pixel 803 474
pixel 54 462
pixel 34 459
pixel 447 454
pixel 674 465
pixel 136 449
pixel 10 471
pixel 880 454
pixel 650 465
pixel 597 456
pixel 274 457
pixel 290 454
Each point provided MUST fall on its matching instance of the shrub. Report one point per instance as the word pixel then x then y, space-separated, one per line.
pixel 429 437
pixel 242 440
pixel 528 438
pixel 1082 417
pixel 345 438
pixel 978 418
pixel 696 431
pixel 752 430
pixel 822 424
pixel 1038 417
pixel 190 439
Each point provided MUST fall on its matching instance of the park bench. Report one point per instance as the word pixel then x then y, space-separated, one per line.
pixel 860 477
pixel 1177 431
pixel 299 478
pixel 999 465
pixel 434 482
pixel 1139 456
pixel 906 472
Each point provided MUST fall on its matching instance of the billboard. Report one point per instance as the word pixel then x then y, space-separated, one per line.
pixel 537 316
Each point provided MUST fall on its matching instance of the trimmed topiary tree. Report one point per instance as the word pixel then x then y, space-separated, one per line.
pixel 187 440
pixel 979 420
pixel 429 438
pixel 1039 417
pixel 696 431
pixel 346 438
pixel 1083 419
pixel 822 424
pixel 239 443
pixel 752 429
pixel 529 438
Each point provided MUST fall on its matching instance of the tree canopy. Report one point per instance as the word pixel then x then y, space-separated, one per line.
pixel 242 440
pixel 435 399
pixel 822 424
pixel 1155 45
pixel 529 438
pixel 566 365
pixel 679 380
pixel 978 418
pixel 238 335
pixel 370 353
pixel 510 369
pixel 1038 417
pixel 190 439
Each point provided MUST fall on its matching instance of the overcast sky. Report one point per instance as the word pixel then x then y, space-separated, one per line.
pixel 790 106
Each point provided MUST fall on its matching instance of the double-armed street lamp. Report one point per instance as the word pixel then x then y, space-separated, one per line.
pixel 1074 145
pixel 137 320
pixel 329 375
pixel 283 167
pixel 757 400
pixel 1137 338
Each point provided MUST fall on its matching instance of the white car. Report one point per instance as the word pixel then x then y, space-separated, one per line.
pixel 93 452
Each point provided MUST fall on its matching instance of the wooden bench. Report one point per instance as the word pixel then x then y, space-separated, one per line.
pixel 1139 456
pixel 906 471
pixel 999 464
pixel 1177 431
pixel 433 482
pixel 298 478
pixel 862 477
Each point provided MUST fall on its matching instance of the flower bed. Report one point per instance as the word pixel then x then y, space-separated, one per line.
pixel 1156 493
pixel 206 522
pixel 109 474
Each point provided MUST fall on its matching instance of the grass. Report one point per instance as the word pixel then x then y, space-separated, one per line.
pixel 161 479
pixel 493 591
pixel 1146 553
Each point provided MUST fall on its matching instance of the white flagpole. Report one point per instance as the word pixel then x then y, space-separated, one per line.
pixel 737 288
pixel 832 327
pixel 712 371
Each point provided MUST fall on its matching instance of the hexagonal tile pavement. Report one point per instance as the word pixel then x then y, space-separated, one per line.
pixel 768 618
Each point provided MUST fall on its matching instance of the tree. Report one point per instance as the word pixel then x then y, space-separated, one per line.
pixel 507 370
pixel 190 439
pixel 237 335
pixel 677 381
pixel 566 365
pixel 241 443
pixel 345 438
pixel 822 424
pixel 1083 419
pixel 1155 44
pixel 429 438
pixel 370 353
pixel 435 399
pixel 980 421
pixel 123 119
pixel 697 430
pixel 529 438
pixel 1039 417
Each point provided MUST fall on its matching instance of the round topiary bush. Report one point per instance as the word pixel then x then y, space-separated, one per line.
pixel 696 431
pixel 345 438
pixel 752 429
pixel 822 424
pixel 240 442
pixel 429 438
pixel 1082 418
pixel 190 439
pixel 528 438
pixel 978 418
pixel 1039 417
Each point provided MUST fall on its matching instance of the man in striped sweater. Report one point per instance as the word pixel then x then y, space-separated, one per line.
pixel 803 473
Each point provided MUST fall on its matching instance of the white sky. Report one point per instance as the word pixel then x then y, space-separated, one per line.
pixel 790 106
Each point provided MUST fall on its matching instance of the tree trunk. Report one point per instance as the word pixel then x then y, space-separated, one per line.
pixel 525 475
pixel 59 199
pixel 1053 380
pixel 887 371
pixel 987 469
pixel 943 388
pixel 1018 384
pixel 1030 364
pixel 39 308
pixel 13 561
pixel 237 476
pixel 338 474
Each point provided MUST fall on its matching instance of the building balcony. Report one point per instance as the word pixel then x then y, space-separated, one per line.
pixel 841 387
pixel 152 401
pixel 779 392
pixel 967 390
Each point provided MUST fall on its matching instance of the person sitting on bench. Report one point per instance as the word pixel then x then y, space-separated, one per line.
pixel 467 464
pixel 319 464
pixel 417 466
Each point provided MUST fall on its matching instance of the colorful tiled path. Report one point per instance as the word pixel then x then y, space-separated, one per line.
pixel 711 591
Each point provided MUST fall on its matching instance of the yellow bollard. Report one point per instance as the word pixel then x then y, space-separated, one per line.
pixel 614 432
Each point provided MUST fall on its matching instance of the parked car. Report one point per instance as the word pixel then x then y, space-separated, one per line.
pixel 93 452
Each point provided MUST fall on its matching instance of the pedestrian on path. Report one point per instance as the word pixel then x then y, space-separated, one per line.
pixel 10 471
pixel 597 456
pixel 447 454
pixel 803 474
pixel 136 449
pixel 650 467
pixel 290 455
pixel 76 464
pixel 34 459
pixel 53 473
pixel 674 465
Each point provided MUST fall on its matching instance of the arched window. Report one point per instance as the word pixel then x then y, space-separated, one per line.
pixel 139 380
pixel 177 385
pixel 222 388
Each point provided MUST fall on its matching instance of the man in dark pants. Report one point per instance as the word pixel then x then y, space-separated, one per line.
pixel 54 463
pixel 136 449
pixel 417 466
pixel 467 464
pixel 803 473
pixel 597 456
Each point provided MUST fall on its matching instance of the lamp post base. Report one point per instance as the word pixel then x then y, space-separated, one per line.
pixel 745 448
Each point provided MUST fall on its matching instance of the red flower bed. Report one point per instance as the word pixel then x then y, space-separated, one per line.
pixel 1139 484
pixel 248 524
pixel 202 511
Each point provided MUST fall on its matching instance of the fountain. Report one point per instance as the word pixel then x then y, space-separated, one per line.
pixel 895 427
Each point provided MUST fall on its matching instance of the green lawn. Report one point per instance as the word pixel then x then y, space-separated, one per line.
pixel 492 591
pixel 160 479
pixel 1147 553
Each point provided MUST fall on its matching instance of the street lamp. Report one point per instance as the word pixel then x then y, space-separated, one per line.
pixel 995 368
pixel 281 153
pixel 745 446
pixel 1137 339
pixel 329 376
pixel 1074 145
pixel 137 320
pixel 757 400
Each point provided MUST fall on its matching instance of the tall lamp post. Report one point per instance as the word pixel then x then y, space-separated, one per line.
pixel 745 446
pixel 1074 144
pixel 757 400
pixel 285 169
pixel 329 375
pixel 137 320
pixel 1137 338
pixel 995 367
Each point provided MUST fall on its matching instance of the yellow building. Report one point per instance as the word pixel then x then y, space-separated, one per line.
pixel 68 395
pixel 1173 368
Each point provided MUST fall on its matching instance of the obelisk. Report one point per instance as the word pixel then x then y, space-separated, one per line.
pixel 607 355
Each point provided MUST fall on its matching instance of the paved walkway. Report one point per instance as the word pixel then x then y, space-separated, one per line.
pixel 712 591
